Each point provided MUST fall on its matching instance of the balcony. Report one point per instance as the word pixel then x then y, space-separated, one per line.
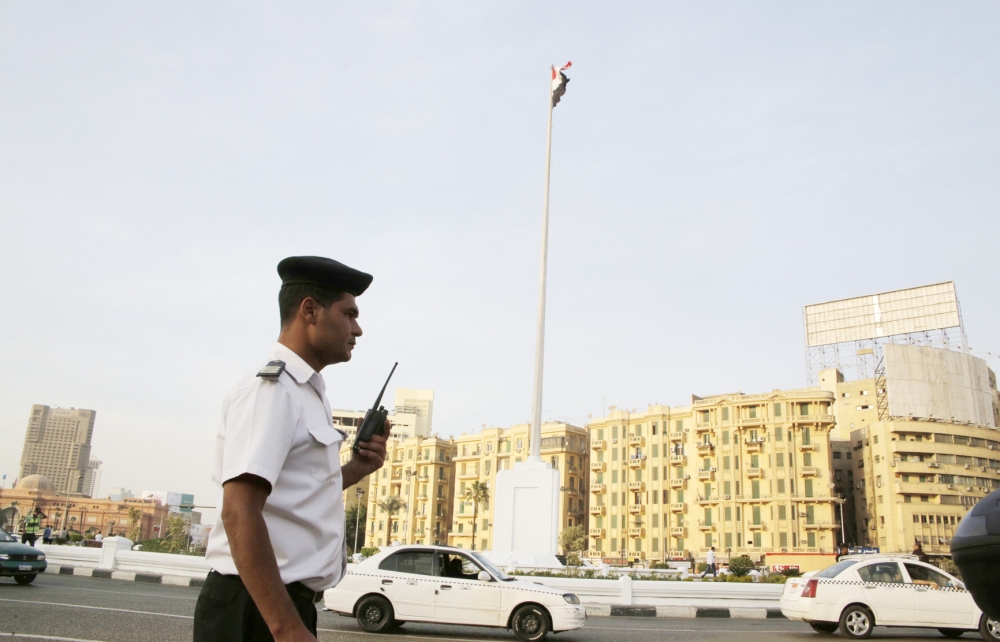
pixel 756 527
pixel 755 472
pixel 635 555
pixel 753 498
pixel 599 511
pixel 807 447
pixel 639 442
pixel 598 444
pixel 754 445
pixel 707 500
pixel 705 526
pixel 751 421
pixel 597 489
pixel 637 461
pixel 595 554
pixel 678 459
pixel 809 471
pixel 637 531
pixel 706 448
pixel 598 467
pixel 636 486
pixel 679 507
pixel 813 419
pixel 821 527
pixel 706 475
pixel 472 474
pixel 677 436
pixel 677 531
pixel 700 428
pixel 597 533
pixel 637 509
pixel 677 483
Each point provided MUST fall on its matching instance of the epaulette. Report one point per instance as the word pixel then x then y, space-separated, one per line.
pixel 272 370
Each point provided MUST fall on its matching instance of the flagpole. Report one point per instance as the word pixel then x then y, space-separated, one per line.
pixel 535 450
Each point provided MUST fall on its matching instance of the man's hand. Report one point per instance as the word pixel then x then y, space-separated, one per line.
pixel 368 459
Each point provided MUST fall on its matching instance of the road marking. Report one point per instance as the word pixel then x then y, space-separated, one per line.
pixel 584 629
pixel 43 637
pixel 101 608
pixel 73 588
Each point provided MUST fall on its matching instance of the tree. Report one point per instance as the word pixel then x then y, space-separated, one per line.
pixel 176 532
pixel 391 505
pixel 572 540
pixel 134 524
pixel 740 566
pixel 478 494
pixel 356 521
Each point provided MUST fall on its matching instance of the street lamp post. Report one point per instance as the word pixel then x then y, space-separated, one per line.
pixel 357 521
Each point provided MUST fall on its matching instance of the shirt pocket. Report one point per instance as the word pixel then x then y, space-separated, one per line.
pixel 324 452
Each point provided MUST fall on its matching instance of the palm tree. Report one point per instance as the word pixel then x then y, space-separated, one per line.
pixel 478 494
pixel 391 505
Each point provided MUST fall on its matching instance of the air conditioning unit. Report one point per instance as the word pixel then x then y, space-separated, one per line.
pixel 893 464
pixel 726 497
pixel 968 488
pixel 859 485
pixel 950 486
pixel 687 430
pixel 937 465
pixel 967 466
pixel 989 446
pixel 712 469
pixel 643 457
pixel 878 484
pixel 614 441
pixel 687 476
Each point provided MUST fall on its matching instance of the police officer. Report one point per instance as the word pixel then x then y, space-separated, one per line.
pixel 32 525
pixel 277 475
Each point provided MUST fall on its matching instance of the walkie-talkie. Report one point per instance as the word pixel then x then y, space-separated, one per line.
pixel 374 421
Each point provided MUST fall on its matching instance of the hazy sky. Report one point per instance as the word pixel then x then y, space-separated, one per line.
pixel 716 166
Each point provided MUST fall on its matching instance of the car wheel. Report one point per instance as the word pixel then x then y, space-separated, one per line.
pixel 857 622
pixel 951 633
pixel 25 579
pixel 530 623
pixel 989 629
pixel 824 627
pixel 375 614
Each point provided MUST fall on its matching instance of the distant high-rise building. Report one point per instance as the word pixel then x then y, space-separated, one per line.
pixel 118 493
pixel 57 445
pixel 92 478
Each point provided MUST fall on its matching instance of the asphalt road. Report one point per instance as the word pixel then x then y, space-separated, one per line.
pixel 83 609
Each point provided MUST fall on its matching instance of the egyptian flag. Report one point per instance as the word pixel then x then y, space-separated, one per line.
pixel 559 82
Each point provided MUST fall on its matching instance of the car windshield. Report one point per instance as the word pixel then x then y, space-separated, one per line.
pixel 497 573
pixel 836 569
pixel 5 536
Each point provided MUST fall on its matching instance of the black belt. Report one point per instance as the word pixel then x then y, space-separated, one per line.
pixel 295 589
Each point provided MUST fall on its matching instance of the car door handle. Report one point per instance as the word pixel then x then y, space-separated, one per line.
pixel 871 587
pixel 387 581
pixel 921 588
pixel 445 587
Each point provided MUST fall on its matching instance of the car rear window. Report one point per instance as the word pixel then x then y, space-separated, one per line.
pixel 416 562
pixel 836 569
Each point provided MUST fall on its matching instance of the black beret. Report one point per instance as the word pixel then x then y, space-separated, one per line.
pixel 319 270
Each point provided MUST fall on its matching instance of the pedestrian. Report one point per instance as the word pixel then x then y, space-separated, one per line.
pixel 710 561
pixel 918 550
pixel 280 540
pixel 32 526
pixel 47 535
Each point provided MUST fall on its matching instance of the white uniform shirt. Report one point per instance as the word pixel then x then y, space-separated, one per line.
pixel 282 431
pixel 710 558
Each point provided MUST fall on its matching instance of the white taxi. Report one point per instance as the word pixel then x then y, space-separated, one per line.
pixel 446 585
pixel 863 591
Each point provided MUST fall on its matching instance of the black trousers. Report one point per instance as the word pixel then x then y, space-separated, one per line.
pixel 28 538
pixel 225 612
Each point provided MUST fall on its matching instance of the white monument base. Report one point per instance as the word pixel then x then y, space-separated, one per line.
pixel 526 515
pixel 513 560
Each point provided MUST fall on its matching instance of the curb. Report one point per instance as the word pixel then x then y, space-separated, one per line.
pixel 700 612
pixel 127 576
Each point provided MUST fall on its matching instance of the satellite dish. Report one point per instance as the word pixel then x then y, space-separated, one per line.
pixel 831 486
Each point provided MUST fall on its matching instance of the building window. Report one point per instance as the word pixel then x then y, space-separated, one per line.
pixel 777 410
pixel 752 412
pixel 725 414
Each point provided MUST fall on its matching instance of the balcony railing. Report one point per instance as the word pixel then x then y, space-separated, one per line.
pixel 677 483
pixel 598 444
pixel 756 527
pixel 705 526
pixel 598 466
pixel 637 441
pixel 599 511
pixel 706 475
pixel 637 509
pixel 678 507
pixel 597 489
pixel 677 436
pixel 807 447
pixel 596 532
pixel 705 448
pixel 677 531
pixel 755 472
pixel 678 459
pixel 637 461
pixel 636 486
pixel 637 532
pixel 809 471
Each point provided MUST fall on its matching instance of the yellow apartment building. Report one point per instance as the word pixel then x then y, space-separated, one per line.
pixel 479 455
pixel 748 474
pixel 420 471
pixel 912 478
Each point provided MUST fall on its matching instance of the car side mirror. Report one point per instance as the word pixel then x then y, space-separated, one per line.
pixel 484 577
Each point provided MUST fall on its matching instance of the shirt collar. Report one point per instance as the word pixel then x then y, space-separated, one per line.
pixel 295 365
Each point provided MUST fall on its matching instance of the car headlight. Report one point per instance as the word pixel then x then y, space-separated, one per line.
pixel 571 598
pixel 41 557
pixel 4 556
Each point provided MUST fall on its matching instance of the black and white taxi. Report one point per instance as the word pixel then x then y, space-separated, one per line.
pixel 861 592
pixel 446 585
